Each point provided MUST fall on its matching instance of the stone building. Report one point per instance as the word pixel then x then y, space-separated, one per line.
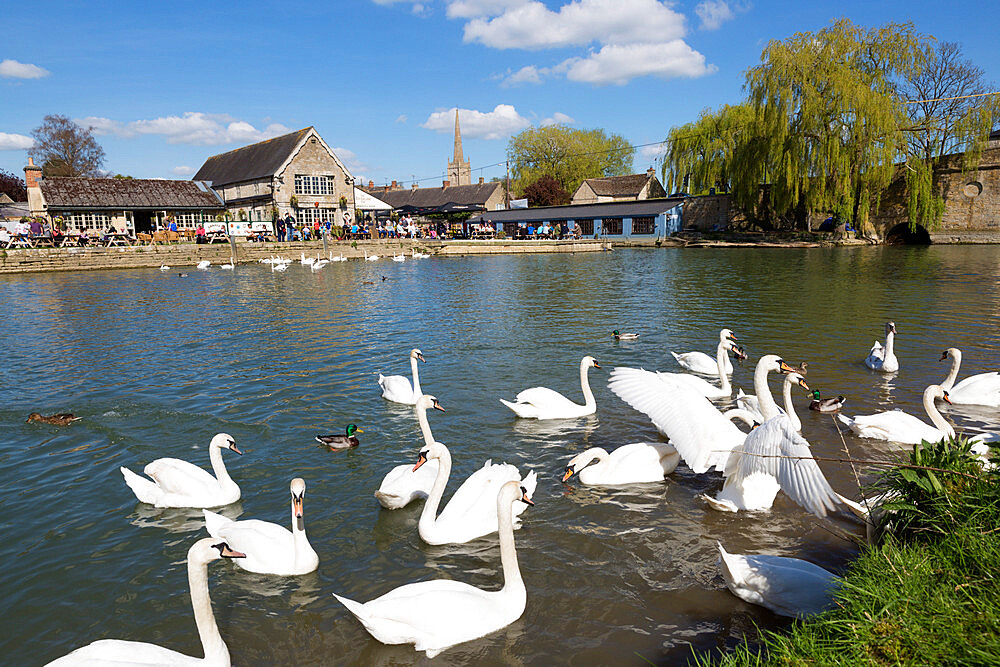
pixel 295 173
pixel 132 204
pixel 459 172
pixel 619 188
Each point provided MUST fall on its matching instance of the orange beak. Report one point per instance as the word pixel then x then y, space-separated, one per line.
pixel 437 406
pixel 297 507
pixel 946 399
pixel 525 498
pixel 568 473
pixel 785 368
pixel 802 383
pixel 421 459
pixel 235 449
pixel 596 365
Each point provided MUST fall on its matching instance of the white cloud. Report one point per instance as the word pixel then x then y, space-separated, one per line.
pixel 467 9
pixel 713 13
pixel 351 161
pixel 615 64
pixel 14 142
pixel 502 122
pixel 402 118
pixel 527 74
pixel 183 170
pixel 194 127
pixel 558 118
pixel 653 152
pixel 11 69
pixel 532 25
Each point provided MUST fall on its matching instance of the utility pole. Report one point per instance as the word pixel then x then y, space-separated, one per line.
pixel 506 188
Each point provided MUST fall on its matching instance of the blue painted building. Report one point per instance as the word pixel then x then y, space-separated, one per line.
pixel 644 220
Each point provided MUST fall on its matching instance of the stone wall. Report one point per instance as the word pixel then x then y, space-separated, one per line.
pixel 707 213
pixel 314 159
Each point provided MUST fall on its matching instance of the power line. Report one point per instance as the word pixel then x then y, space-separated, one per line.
pixel 945 99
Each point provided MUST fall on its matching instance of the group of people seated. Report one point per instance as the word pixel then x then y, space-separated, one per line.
pixel 560 230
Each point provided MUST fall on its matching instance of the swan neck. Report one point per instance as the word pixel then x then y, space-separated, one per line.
pixel 219 465
pixel 425 426
pixel 936 418
pixel 789 408
pixel 215 648
pixel 949 381
pixel 768 408
pixel 890 338
pixel 720 360
pixel 588 395
pixel 416 377
pixel 299 539
pixel 594 453
pixel 508 554
pixel 429 514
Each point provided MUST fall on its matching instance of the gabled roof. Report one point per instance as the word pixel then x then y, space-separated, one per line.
pixel 5 199
pixel 258 160
pixel 127 193
pixel 434 197
pixel 618 186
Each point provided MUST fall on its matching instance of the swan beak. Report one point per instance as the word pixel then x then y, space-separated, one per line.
pixel 946 399
pixel 525 498
pixel 568 473
pixel 419 356
pixel 596 365
pixel 421 459
pixel 297 505
pixel 802 383
pixel 732 336
pixel 785 368
pixel 944 355
pixel 232 446
pixel 225 551
pixel 437 406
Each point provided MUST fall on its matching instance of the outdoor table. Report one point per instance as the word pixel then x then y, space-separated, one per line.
pixel 118 239
pixel 216 236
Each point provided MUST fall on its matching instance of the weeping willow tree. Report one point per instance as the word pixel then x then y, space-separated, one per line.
pixel 823 128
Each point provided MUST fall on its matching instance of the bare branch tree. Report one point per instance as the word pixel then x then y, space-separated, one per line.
pixel 66 149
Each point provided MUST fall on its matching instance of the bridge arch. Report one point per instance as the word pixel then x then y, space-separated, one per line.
pixel 901 234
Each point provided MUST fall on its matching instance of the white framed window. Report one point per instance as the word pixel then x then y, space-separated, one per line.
pixel 306 184
pixel 90 221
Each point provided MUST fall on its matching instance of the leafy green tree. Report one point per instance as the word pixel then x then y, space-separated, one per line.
pixel 567 154
pixel 66 149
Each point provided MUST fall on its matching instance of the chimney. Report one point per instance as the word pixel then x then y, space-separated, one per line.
pixel 481 180
pixel 394 185
pixel 371 184
pixel 32 174
pixel 445 184
pixel 650 172
pixel 414 186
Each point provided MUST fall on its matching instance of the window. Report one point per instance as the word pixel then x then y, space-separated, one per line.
pixel 308 216
pixel 644 225
pixel 88 221
pixel 313 185
pixel 611 226
pixel 586 227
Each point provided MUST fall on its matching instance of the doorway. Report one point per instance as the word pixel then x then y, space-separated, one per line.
pixel 143 221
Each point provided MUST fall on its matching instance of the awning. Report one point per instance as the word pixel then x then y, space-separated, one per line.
pixel 365 202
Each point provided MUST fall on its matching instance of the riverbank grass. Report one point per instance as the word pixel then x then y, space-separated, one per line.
pixel 927 593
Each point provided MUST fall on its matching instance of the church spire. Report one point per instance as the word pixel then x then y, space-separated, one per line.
pixel 457 158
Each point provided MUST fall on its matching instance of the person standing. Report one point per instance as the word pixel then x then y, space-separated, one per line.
pixel 289 226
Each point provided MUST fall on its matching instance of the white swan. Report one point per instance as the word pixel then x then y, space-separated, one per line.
pixel 397 388
pixel 164 267
pixel 370 258
pixel 898 426
pixel 269 548
pixel 883 358
pixel 435 615
pixel 226 267
pixel 637 463
pixel 981 389
pixel 703 387
pixel 417 254
pixel 178 483
pixel 399 258
pixel 471 512
pixel 750 403
pixel 204 264
pixel 280 266
pixel 307 260
pixel 786 586
pixel 699 362
pixel 340 258
pixel 701 434
pixel 543 403
pixel 403 484
pixel 122 652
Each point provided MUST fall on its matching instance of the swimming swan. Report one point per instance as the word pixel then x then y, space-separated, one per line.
pixel 471 512
pixel 543 403
pixel 786 586
pixel 122 652
pixel 178 483
pixel 269 548
pixel 637 463
pixel 402 485
pixel 883 358
pixel 898 426
pixel 397 388
pixel 981 389
pixel 435 615
pixel 699 362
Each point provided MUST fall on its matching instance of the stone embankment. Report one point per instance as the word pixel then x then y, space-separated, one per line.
pixel 31 260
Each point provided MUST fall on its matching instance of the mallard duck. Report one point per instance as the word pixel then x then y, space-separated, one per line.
pixel 341 441
pixel 61 419
pixel 624 336
pixel 825 404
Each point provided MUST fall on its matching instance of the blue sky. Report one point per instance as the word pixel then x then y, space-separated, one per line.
pixel 166 85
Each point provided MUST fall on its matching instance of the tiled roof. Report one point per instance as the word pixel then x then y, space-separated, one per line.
pixel 618 186
pixel 434 197
pixel 250 162
pixel 615 209
pixel 126 193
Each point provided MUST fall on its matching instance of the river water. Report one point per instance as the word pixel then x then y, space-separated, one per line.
pixel 157 363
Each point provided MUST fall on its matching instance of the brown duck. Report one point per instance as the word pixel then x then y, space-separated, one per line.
pixel 61 419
